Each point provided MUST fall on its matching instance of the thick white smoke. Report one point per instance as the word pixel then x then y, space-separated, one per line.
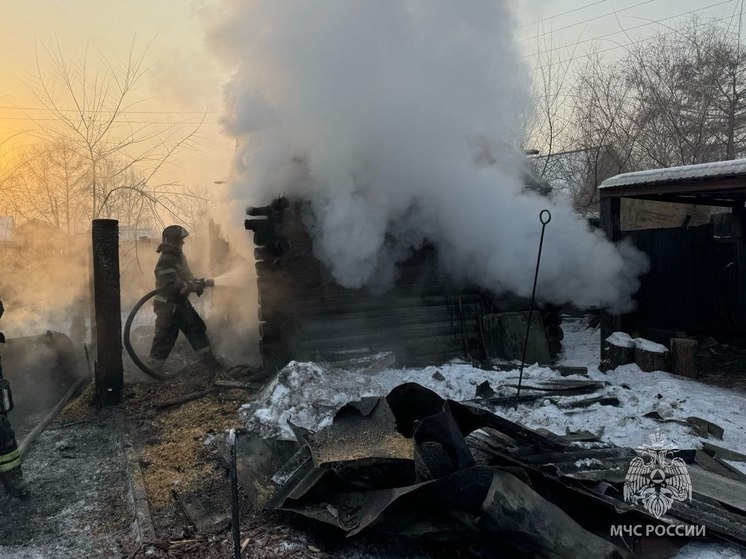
pixel 399 121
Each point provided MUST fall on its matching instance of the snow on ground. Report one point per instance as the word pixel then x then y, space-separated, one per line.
pixel 309 394
pixel 704 550
pixel 740 466
pixel 671 396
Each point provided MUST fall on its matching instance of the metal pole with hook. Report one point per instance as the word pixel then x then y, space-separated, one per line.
pixel 544 217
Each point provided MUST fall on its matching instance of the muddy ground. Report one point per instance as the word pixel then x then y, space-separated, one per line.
pixel 177 466
pixel 81 474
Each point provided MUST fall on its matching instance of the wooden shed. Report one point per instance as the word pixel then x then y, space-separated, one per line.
pixel 423 317
pixel 697 278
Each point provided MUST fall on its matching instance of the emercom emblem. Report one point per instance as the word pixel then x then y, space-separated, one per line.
pixel 657 478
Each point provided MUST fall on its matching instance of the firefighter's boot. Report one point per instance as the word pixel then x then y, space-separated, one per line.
pixel 210 362
pixel 14 483
pixel 156 365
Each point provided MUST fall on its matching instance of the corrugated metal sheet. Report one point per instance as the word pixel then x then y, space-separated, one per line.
pixel 719 169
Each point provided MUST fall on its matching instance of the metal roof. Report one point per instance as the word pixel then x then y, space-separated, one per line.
pixel 715 184
pixel 686 173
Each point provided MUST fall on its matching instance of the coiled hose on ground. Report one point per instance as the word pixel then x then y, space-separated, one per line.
pixel 128 343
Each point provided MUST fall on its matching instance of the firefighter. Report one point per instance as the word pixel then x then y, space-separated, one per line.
pixel 10 459
pixel 173 311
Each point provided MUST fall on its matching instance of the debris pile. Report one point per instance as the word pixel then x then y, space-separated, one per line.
pixel 416 465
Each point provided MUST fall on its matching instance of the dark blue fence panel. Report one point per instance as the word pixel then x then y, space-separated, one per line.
pixel 690 285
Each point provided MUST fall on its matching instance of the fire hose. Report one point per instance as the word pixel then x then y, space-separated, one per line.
pixel 201 283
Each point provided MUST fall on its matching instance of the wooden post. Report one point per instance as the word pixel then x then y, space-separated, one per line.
pixel 91 304
pixel 650 356
pixel 610 214
pixel 620 350
pixel 109 368
pixel 683 357
pixel 739 218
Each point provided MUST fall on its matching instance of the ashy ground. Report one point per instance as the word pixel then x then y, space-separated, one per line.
pixel 86 469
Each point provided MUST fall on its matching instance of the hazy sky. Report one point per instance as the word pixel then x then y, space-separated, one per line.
pixel 183 83
pixel 185 79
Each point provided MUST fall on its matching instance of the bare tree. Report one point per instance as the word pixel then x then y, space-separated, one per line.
pixel 601 146
pixel 687 96
pixel 195 206
pixel 10 165
pixel 49 185
pixel 677 99
pixel 547 126
pixel 117 158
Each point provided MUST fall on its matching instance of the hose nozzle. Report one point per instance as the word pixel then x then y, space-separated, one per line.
pixel 209 283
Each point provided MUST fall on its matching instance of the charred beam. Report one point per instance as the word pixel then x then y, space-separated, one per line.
pixel 259 211
pixel 109 368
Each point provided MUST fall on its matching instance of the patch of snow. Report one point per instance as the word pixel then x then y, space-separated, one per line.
pixel 621 339
pixel 740 466
pixel 309 395
pixel 647 345
pixel 705 550
pixel 286 546
pixel 676 174
pixel 76 479
pixel 639 393
pixel 581 345
pixel 18 552
pixel 589 464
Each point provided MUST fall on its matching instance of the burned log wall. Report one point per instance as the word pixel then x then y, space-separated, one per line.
pixel 691 285
pixel 304 314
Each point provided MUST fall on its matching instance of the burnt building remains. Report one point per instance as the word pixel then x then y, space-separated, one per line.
pixel 423 319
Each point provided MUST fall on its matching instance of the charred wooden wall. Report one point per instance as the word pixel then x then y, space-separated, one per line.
pixel 305 314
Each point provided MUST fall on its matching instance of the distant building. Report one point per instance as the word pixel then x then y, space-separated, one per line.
pixel 37 234
pixel 129 233
pixel 7 227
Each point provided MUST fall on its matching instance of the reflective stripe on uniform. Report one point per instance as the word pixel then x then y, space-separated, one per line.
pixel 160 299
pixel 10 460
pixel 166 271
pixel 203 350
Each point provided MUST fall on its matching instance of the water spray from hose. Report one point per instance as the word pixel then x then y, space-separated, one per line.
pixel 232 278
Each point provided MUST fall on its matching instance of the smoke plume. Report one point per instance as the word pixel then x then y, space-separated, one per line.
pixel 399 120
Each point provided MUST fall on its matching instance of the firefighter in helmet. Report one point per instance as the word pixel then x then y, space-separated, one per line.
pixel 174 312
pixel 10 459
